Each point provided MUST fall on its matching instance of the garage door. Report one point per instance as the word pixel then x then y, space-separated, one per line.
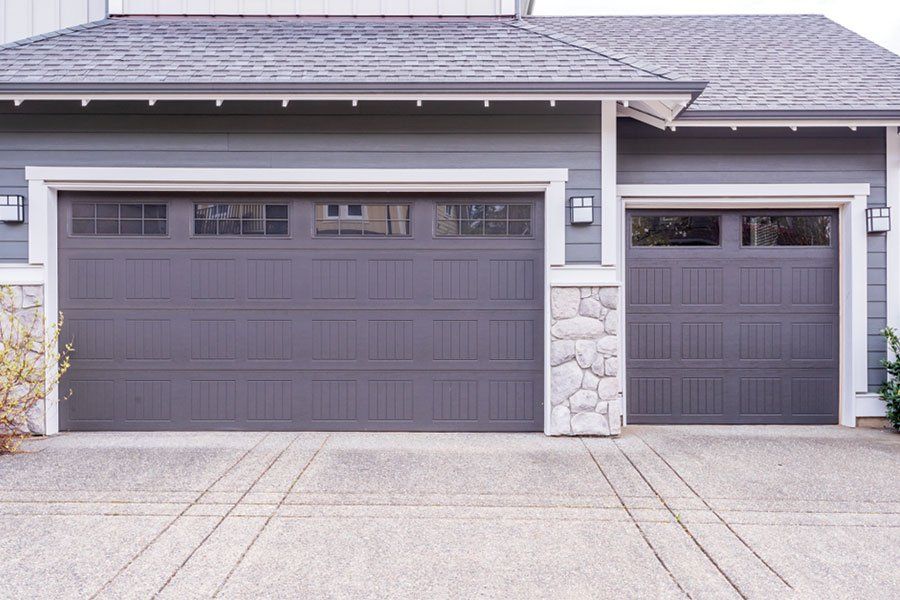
pixel 300 312
pixel 732 317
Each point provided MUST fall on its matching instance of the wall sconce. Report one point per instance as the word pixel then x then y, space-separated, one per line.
pixel 12 209
pixel 582 210
pixel 878 219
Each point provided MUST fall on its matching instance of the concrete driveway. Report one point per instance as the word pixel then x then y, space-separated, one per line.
pixel 700 512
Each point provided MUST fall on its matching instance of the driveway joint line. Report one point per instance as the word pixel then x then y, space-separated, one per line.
pixel 682 525
pixel 230 510
pixel 713 511
pixel 269 518
pixel 635 521
pixel 197 496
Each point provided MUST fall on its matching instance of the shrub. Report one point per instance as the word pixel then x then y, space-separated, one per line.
pixel 890 389
pixel 25 350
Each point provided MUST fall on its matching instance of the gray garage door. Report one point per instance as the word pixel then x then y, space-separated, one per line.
pixel 732 317
pixel 298 312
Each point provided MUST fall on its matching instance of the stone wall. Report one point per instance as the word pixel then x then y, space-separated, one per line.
pixel 584 361
pixel 27 301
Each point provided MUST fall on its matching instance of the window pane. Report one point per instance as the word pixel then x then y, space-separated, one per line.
pixel 83 210
pixel 204 227
pixel 519 228
pixel 327 228
pixel 154 211
pixel 471 227
pixel 334 210
pixel 253 227
pixel 354 210
pixel 675 231
pixel 520 211
pixel 108 211
pixel 380 220
pixel 83 226
pixel 229 226
pixel 107 227
pixel 131 227
pixel 495 228
pixel 155 227
pixel 276 211
pixel 495 211
pixel 787 230
pixel 276 227
pixel 131 211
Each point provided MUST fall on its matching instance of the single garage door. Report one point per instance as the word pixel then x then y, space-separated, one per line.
pixel 732 317
pixel 302 312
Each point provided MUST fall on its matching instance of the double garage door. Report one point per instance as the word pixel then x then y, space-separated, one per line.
pixel 295 312
pixel 732 317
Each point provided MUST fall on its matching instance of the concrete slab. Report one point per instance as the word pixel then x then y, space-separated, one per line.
pixel 482 464
pixel 69 556
pixel 780 462
pixel 436 558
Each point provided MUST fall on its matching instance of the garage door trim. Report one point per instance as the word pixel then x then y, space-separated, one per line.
pixel 849 199
pixel 44 182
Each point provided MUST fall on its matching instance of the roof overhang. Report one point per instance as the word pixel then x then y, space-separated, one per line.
pixel 662 99
pixel 789 118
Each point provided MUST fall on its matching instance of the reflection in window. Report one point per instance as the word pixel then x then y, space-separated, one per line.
pixel 234 218
pixel 483 220
pixel 682 230
pixel 782 230
pixel 111 218
pixel 370 219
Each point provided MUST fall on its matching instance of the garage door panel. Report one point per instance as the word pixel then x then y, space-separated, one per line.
pixel 731 333
pixel 298 333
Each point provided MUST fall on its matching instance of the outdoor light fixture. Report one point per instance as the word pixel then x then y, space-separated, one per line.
pixel 878 219
pixel 582 208
pixel 12 209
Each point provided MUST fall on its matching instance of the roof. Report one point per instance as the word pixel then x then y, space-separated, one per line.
pixel 754 64
pixel 291 50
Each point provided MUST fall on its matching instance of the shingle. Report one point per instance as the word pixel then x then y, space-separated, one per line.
pixel 752 62
pixel 258 50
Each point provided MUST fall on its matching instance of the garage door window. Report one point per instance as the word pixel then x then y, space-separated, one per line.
pixel 667 230
pixel 484 220
pixel 107 218
pixel 363 219
pixel 782 230
pixel 234 218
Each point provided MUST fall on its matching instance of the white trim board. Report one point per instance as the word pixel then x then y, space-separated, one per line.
pixel 851 201
pixel 893 237
pixel 44 183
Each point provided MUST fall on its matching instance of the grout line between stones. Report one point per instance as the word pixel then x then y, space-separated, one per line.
pixel 635 521
pixel 713 511
pixel 682 525
pixel 269 518
pixel 168 526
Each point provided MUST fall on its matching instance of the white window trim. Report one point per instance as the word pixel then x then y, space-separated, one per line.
pixel 44 184
pixel 849 199
pixel 893 237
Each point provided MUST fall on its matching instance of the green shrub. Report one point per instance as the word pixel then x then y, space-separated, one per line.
pixel 890 389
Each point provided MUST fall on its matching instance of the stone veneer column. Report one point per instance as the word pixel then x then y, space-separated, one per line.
pixel 29 300
pixel 584 361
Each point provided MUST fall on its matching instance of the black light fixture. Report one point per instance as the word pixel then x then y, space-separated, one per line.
pixel 12 209
pixel 581 210
pixel 878 219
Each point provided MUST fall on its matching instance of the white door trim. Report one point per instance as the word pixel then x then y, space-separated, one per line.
pixel 849 199
pixel 44 183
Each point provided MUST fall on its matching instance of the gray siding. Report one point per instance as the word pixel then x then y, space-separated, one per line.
pixel 327 135
pixel 833 155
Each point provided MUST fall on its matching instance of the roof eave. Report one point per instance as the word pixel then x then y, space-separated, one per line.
pixel 760 118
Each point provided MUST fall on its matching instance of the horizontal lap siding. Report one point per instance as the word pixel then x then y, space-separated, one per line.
pixel 325 136
pixel 764 155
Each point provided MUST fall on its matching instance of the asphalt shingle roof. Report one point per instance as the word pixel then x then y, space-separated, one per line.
pixel 294 50
pixel 752 63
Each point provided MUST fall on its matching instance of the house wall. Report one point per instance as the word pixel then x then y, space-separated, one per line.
pixel 763 155
pixel 24 18
pixel 374 135
pixel 314 7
